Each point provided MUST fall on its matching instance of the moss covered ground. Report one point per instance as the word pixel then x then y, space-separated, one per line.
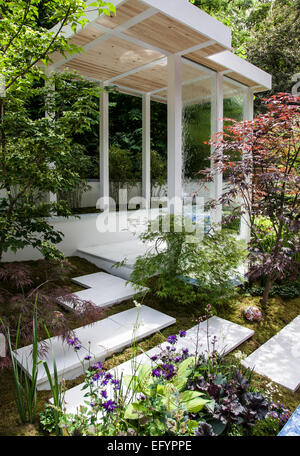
pixel 278 315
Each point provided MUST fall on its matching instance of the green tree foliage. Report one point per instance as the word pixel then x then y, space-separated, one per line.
pixel 275 47
pixel 38 154
pixel 239 15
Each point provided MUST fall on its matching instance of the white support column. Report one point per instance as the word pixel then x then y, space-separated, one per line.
pixel 146 162
pixel 52 197
pixel 175 134
pixel 217 114
pixel 248 114
pixel 104 149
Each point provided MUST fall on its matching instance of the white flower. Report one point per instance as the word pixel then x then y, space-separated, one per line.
pixel 137 304
pixel 240 355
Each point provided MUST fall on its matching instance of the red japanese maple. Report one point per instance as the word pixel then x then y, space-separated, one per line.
pixel 260 159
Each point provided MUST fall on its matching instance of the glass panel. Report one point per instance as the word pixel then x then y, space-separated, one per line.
pixel 197 126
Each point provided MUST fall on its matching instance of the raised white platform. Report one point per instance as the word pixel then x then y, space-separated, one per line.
pixel 105 290
pixel 228 334
pixel 99 340
pixel 279 358
pixel 108 255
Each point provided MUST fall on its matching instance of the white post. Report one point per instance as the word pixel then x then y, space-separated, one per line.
pixel 104 149
pixel 146 162
pixel 217 114
pixel 175 134
pixel 248 114
pixel 48 114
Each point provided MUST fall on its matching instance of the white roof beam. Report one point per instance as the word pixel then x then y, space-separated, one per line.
pixel 197 47
pixel 109 33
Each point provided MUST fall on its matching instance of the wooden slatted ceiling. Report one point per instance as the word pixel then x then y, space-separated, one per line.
pixel 157 77
pixel 124 13
pixel 165 33
pixel 111 58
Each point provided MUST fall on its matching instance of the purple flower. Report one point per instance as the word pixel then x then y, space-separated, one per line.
pixel 77 347
pixel 108 376
pixel 185 351
pixel 178 359
pixel 156 373
pixel 154 358
pixel 97 366
pixel 172 339
pixel 104 394
pixel 182 333
pixel 110 406
pixel 87 358
pixel 72 342
pixel 92 404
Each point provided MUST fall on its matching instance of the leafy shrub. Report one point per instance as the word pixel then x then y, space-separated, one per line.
pixel 285 290
pixel 212 262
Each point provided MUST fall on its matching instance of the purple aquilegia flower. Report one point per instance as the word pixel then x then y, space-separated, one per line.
pixel 77 347
pixel 154 358
pixel 110 406
pixel 104 394
pixel 108 376
pixel 168 371
pixel 97 366
pixel 73 342
pixel 156 373
pixel 182 333
pixel 172 339
pixel 185 351
pixel 87 358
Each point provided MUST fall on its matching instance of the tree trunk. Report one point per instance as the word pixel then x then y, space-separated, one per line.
pixel 266 294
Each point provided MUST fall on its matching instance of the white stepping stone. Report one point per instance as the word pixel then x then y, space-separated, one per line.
pixel 118 251
pixel 68 361
pixel 99 340
pixel 2 346
pixel 103 290
pixel 143 320
pixel 279 358
pixel 229 335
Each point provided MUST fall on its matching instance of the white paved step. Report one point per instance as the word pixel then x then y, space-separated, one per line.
pixel 100 340
pixel 67 360
pixel 230 336
pixel 106 256
pixel 279 358
pixel 103 290
pixel 118 251
pixel 143 320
